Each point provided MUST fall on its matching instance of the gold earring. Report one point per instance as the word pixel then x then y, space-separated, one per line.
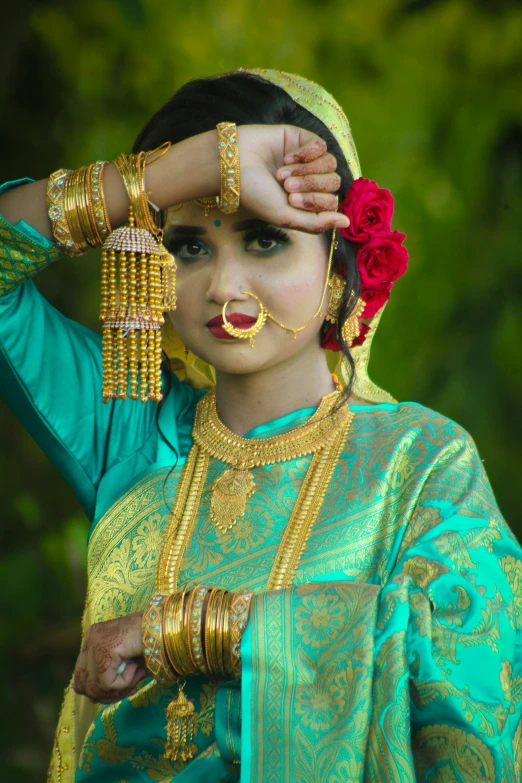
pixel 352 326
pixel 254 329
pixel 336 286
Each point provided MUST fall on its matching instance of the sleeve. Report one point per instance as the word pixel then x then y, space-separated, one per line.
pixel 50 371
pixel 465 635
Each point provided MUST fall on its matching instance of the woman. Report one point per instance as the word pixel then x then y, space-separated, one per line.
pixel 369 590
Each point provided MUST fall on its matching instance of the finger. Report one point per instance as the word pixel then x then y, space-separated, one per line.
pixel 311 222
pixel 307 152
pixel 323 165
pixel 314 202
pixel 80 670
pixel 313 183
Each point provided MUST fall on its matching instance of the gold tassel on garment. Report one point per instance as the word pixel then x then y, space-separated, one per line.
pixel 180 728
pixel 131 341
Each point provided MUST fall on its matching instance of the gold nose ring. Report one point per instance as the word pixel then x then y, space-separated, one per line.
pixel 245 333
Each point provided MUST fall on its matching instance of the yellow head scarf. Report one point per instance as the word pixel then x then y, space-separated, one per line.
pixel 322 105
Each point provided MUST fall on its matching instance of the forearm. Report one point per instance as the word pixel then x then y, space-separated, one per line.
pixel 188 170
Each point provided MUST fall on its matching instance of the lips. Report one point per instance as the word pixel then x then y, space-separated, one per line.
pixel 239 320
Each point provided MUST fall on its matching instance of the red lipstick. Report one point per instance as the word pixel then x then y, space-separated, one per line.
pixel 239 320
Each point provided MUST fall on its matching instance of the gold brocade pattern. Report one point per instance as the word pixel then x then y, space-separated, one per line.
pixel 20 258
pixel 365 498
pixel 462 754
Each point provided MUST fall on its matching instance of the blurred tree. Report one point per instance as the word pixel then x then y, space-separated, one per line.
pixel 432 89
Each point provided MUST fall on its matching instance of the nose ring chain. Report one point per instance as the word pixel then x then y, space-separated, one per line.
pixel 264 313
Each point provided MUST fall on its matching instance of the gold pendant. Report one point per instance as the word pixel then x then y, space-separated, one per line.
pixel 180 728
pixel 228 497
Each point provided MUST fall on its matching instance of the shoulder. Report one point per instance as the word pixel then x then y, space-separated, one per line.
pixel 409 423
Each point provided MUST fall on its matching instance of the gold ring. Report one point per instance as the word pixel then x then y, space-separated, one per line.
pixel 253 330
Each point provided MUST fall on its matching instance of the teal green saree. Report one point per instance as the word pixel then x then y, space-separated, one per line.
pixel 396 655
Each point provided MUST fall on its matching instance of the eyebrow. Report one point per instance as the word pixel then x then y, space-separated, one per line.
pixel 177 229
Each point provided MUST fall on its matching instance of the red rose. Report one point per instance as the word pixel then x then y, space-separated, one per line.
pixel 329 341
pixel 382 259
pixel 370 209
pixel 362 337
pixel 374 298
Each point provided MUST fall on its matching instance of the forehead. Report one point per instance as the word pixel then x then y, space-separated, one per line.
pixel 191 213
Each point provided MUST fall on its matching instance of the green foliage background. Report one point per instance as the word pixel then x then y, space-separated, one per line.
pixel 433 92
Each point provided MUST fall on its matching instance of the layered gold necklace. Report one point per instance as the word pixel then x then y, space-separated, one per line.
pixel 323 436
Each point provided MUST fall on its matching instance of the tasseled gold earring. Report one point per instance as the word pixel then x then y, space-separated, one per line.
pixel 351 328
pixel 131 335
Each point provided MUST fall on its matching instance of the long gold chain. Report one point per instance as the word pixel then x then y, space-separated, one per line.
pixel 184 513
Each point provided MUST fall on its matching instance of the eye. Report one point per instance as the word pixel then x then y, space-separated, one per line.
pixel 271 239
pixel 262 244
pixel 187 250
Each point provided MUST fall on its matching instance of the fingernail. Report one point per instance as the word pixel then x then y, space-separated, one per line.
pixel 293 184
pixel 284 174
pixel 344 223
pixel 297 199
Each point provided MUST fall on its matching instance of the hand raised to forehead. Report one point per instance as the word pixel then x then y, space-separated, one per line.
pixel 303 171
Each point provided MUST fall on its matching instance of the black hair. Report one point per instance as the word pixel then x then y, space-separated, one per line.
pixel 248 99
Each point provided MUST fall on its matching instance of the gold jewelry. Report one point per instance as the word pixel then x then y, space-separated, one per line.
pixel 264 313
pixel 100 217
pixel 352 326
pixel 229 492
pixel 180 728
pixel 336 285
pixel 208 203
pixel 194 622
pixel 228 145
pixel 55 195
pixel 251 332
pixel 131 341
pixel 156 659
pixel 170 629
pixel 333 246
pixel 184 513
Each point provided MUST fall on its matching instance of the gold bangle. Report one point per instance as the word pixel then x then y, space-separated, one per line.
pixel 195 629
pixel 82 198
pixel 227 662
pixel 101 219
pixel 56 210
pixel 73 209
pixel 210 633
pixel 170 613
pixel 221 632
pixel 230 178
pixel 132 171
pixel 176 645
pixel 153 642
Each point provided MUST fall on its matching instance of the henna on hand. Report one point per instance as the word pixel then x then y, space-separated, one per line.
pixel 105 646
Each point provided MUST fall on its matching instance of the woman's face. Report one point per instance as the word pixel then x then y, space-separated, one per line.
pixel 218 258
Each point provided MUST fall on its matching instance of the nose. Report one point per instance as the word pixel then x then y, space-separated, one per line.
pixel 227 282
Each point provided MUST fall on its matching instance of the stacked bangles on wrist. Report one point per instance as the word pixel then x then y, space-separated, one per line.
pixel 195 632
pixel 138 278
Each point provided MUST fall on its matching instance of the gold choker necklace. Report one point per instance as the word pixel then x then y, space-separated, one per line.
pixel 323 435
pixel 230 492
